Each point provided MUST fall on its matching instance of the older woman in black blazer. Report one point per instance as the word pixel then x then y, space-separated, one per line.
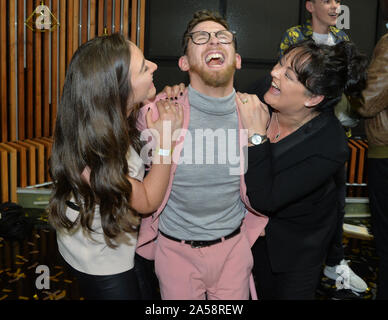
pixel 295 150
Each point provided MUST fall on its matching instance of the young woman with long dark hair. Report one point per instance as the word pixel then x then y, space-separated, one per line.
pixel 99 190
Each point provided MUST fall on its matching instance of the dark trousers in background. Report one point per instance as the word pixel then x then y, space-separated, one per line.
pixel 378 201
pixel 121 286
pixel 336 249
pixel 148 282
pixel 299 285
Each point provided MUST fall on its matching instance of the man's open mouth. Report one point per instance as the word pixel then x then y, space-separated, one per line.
pixel 215 59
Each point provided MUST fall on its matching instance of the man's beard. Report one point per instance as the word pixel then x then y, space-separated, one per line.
pixel 215 78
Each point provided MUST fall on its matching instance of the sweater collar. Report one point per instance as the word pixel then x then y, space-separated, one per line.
pixel 211 105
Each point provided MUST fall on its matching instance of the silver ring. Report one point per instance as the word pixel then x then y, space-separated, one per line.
pixel 244 101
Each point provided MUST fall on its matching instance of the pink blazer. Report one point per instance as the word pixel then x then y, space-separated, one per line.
pixel 254 222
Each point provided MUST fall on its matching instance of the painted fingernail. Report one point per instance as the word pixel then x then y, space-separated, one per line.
pixel 181 93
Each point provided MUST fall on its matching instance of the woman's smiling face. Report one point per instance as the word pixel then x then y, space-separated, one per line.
pixel 141 76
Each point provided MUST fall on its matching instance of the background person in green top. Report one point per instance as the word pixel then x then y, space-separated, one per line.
pixel 321 27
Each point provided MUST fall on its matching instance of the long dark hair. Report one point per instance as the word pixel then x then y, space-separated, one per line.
pixel 330 70
pixel 92 130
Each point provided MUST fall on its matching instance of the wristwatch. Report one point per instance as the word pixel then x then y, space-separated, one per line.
pixel 257 139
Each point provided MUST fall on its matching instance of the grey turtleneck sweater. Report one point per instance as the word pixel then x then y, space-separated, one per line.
pixel 205 202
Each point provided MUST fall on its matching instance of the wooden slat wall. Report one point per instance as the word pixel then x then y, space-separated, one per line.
pixel 21 74
pixel 54 69
pixel 32 73
pixel 12 170
pixel 357 168
pixel 4 187
pixel 142 24
pixel 4 73
pixel 30 77
pixel 38 83
pixel 12 71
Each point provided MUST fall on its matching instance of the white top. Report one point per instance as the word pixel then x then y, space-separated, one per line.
pixel 95 256
pixel 327 39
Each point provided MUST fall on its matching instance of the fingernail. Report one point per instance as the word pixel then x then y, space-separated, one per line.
pixel 181 93
pixel 176 98
pixel 171 98
pixel 149 108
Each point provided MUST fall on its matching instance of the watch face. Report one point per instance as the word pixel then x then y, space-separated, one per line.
pixel 256 139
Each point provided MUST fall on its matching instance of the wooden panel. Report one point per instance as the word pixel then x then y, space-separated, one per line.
pixel 47 153
pixel 31 162
pixel 22 163
pixel 69 30
pixel 4 73
pixel 352 168
pixel 360 166
pixel 62 44
pixel 84 24
pixel 33 70
pixel 21 92
pixel 54 72
pixel 12 71
pixel 364 143
pixel 142 24
pixel 49 139
pixel 30 76
pixel 133 20
pixel 108 14
pixel 361 160
pixel 75 25
pixel 360 151
pixel 93 6
pixel 100 19
pixel 4 192
pixel 46 84
pixel 12 173
pixel 117 23
pixel 38 80
pixel 40 160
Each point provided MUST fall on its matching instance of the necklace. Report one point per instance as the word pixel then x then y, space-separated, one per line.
pixel 277 136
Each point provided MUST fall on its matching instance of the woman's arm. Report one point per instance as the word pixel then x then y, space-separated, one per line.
pixel 270 189
pixel 147 195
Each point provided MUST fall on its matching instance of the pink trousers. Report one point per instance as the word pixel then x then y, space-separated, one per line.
pixel 217 272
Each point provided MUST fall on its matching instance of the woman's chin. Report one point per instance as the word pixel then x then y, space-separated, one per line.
pixel 152 94
pixel 267 98
pixel 151 98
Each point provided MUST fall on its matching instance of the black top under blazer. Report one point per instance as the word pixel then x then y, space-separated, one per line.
pixel 292 182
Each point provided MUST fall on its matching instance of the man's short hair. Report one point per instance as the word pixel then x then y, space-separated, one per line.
pixel 198 17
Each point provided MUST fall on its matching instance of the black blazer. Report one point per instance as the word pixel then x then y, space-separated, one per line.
pixel 292 182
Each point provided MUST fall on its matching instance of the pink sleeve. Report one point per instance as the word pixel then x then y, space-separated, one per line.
pixel 141 120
